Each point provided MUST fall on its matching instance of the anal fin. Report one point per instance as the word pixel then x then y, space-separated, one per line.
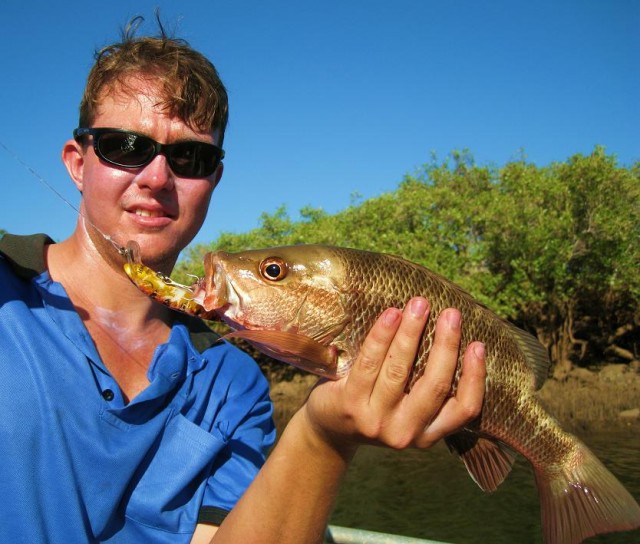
pixel 488 462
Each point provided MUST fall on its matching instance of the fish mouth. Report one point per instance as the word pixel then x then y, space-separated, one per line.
pixel 215 293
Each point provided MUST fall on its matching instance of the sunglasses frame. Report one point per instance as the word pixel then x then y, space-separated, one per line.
pixel 158 148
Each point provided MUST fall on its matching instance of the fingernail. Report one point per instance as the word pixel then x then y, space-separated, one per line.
pixel 390 317
pixel 418 307
pixel 478 349
pixel 453 318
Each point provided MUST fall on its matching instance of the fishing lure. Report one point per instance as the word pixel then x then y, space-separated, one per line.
pixel 160 287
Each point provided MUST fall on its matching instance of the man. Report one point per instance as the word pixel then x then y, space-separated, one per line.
pixel 122 421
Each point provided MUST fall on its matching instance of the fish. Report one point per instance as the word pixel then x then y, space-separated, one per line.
pixel 312 306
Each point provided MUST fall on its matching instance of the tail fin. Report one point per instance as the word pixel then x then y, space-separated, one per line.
pixel 583 499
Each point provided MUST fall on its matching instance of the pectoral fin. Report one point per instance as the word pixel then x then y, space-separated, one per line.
pixel 295 349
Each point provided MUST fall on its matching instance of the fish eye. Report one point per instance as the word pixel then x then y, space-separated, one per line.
pixel 273 268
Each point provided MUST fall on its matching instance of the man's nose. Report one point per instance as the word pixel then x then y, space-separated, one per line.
pixel 157 175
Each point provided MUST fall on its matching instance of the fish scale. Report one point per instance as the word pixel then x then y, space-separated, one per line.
pixel 312 306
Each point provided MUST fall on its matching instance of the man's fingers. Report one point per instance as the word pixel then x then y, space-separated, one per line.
pixel 419 408
pixel 470 392
pixel 443 360
pixel 366 367
pixel 400 358
pixel 372 404
pixel 466 406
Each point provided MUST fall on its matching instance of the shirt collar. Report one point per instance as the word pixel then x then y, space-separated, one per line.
pixel 25 254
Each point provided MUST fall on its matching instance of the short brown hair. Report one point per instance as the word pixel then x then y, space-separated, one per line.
pixel 190 85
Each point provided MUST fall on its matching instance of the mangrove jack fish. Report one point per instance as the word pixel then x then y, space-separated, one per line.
pixel 312 306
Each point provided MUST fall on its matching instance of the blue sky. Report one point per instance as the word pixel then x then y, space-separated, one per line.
pixel 334 98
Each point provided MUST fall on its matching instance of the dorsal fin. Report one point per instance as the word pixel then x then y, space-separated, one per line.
pixel 535 354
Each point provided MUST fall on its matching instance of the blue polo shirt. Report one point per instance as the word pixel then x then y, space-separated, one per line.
pixel 77 464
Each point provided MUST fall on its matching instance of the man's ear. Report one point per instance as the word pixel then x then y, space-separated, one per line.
pixel 73 159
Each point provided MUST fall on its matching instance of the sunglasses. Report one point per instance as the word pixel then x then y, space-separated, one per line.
pixel 190 159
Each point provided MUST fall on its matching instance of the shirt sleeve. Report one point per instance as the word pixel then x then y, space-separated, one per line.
pixel 245 421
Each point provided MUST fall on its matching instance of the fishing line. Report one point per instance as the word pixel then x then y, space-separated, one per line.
pixel 120 249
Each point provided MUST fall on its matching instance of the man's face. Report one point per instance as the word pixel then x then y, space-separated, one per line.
pixel 150 204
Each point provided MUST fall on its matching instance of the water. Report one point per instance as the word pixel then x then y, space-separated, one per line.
pixel 429 494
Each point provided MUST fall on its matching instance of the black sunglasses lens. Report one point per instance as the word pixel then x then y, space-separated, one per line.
pixel 126 149
pixel 194 159
pixel 131 150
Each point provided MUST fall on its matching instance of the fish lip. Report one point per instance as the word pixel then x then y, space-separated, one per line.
pixel 198 293
pixel 215 293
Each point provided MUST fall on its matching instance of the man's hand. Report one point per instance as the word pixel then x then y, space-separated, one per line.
pixel 371 404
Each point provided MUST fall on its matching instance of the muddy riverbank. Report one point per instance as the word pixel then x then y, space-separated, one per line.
pixel 586 400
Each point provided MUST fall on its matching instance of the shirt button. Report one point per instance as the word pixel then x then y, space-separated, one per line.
pixel 107 394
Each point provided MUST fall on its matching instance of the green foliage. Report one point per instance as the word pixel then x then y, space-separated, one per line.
pixel 554 248
pixel 564 249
